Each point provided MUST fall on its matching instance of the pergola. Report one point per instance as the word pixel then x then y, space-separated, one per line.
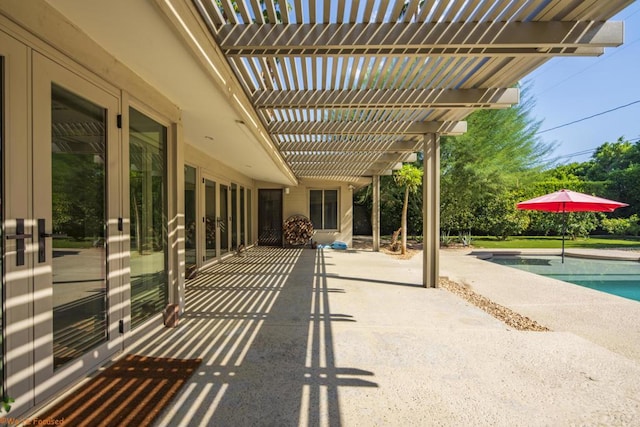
pixel 351 89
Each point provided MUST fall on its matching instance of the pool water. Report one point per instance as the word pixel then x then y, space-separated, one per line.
pixel 620 278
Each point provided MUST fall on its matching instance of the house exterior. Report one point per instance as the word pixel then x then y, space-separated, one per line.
pixel 142 142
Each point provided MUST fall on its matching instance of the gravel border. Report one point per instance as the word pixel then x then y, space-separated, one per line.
pixel 504 314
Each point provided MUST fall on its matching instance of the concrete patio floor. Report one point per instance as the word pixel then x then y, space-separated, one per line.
pixel 303 337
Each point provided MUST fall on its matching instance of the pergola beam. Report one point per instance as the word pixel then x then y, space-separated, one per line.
pixel 343 177
pixel 389 99
pixel 530 52
pixel 366 128
pixel 289 148
pixel 401 37
pixel 334 157
pixel 344 174
pixel 442 128
pixel 345 167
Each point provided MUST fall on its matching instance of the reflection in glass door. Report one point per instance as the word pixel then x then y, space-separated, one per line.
pixel 224 219
pixel 148 193
pixel 250 219
pixel 210 219
pixel 190 220
pixel 234 217
pixel 78 182
pixel 243 240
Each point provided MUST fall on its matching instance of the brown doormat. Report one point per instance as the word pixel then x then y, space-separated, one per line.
pixel 131 392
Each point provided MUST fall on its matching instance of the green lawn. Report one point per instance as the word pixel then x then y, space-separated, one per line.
pixel 67 243
pixel 552 242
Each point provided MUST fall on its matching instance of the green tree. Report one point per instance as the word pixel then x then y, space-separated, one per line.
pixel 614 173
pixel 610 157
pixel 409 178
pixel 500 216
pixel 499 153
pixel 621 226
pixel 391 203
pixel 76 213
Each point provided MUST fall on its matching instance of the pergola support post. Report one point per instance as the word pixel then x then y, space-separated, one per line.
pixel 375 213
pixel 431 210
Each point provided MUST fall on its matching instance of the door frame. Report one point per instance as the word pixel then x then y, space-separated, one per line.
pixel 202 244
pixel 46 72
pixel 226 221
pixel 197 226
pixel 17 281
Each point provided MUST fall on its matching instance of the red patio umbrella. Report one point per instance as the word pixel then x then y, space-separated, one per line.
pixel 564 201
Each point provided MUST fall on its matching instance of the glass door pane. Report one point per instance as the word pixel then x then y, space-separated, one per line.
pixel 148 189
pixel 234 217
pixel 224 219
pixel 190 220
pixel 210 219
pixel 250 219
pixel 243 240
pixel 78 178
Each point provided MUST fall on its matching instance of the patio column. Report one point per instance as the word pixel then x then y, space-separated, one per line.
pixel 431 210
pixel 177 226
pixel 375 213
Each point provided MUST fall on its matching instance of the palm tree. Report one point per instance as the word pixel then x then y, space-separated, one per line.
pixel 409 177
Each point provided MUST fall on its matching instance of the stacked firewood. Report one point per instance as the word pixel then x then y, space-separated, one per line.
pixel 298 230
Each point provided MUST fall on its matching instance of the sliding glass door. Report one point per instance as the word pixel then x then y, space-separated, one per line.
pixel 210 220
pixel 225 220
pixel 190 220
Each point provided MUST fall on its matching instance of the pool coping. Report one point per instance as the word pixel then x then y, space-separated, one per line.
pixel 605 254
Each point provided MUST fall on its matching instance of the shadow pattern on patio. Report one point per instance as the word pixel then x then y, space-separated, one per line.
pixel 263 327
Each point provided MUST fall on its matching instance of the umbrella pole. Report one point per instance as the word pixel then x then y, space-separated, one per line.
pixel 564 229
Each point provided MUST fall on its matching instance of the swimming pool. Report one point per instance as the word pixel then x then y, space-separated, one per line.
pixel 620 278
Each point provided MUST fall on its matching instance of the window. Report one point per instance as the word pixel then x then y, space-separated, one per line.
pixel 323 209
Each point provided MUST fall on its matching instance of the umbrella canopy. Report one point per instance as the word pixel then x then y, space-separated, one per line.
pixel 570 201
pixel 564 201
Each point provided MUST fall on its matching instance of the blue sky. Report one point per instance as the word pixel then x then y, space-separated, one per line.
pixel 569 89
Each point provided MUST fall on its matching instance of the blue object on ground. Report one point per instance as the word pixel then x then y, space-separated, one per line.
pixel 339 245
